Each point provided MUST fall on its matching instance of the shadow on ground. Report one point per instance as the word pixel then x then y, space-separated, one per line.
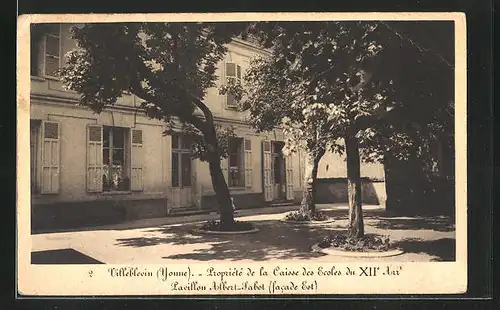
pixel 436 223
pixel 281 241
pixel 61 256
pixel 442 249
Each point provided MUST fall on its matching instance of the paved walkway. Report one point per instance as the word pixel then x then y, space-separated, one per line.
pixel 167 240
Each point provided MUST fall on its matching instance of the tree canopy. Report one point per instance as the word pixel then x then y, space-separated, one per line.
pixel 372 78
pixel 170 66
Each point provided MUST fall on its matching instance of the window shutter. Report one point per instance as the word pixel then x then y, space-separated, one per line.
pixel 50 158
pixel 94 158
pixel 248 163
pixel 289 177
pixel 136 161
pixel 266 161
pixel 223 82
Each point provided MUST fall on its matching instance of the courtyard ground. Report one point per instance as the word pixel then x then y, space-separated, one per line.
pixel 167 240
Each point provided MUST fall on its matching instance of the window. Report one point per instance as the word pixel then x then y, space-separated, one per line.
pixel 115 174
pixel 181 161
pixel 233 75
pixel 236 163
pixel 52 49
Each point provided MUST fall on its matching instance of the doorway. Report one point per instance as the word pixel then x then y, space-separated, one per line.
pixel 278 168
pixel 182 173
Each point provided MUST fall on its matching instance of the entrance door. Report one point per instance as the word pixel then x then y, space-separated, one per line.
pixel 279 171
pixel 182 173
pixel 279 180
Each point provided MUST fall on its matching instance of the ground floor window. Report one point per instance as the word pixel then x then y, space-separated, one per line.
pixel 181 161
pixel 115 174
pixel 236 163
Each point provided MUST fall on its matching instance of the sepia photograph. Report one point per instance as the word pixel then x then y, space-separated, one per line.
pixel 226 155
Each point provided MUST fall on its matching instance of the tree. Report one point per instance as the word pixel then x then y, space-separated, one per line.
pixel 169 66
pixel 361 84
pixel 278 98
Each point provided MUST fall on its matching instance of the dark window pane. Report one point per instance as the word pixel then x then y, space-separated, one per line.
pixel 118 137
pixel 186 169
pixel 230 69
pixel 105 137
pixel 175 170
pixel 51 65
pixel 186 142
pixel 175 141
pixel 105 156
pixel 118 158
pixel 277 169
pixel 52 46
pixel 238 73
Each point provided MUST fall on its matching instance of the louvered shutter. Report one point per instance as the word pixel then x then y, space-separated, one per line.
pixel 223 82
pixel 136 161
pixel 248 163
pixel 50 158
pixel 267 176
pixel 289 177
pixel 95 169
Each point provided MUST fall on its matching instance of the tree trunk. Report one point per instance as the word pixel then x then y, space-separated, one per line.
pixel 307 206
pixel 355 227
pixel 218 182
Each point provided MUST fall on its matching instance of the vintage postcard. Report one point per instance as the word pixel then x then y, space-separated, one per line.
pixel 241 154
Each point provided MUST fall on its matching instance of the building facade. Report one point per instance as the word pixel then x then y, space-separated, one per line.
pixel 92 169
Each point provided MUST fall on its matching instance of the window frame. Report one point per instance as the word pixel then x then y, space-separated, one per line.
pixel 59 38
pixel 241 161
pixel 237 69
pixel 126 167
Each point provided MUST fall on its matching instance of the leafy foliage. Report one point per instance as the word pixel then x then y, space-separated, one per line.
pixel 369 243
pixel 200 147
pixel 301 217
pixel 236 226
pixel 325 80
pixel 168 65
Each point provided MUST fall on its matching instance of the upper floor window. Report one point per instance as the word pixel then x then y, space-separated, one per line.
pixel 45 49
pixel 52 49
pixel 233 75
